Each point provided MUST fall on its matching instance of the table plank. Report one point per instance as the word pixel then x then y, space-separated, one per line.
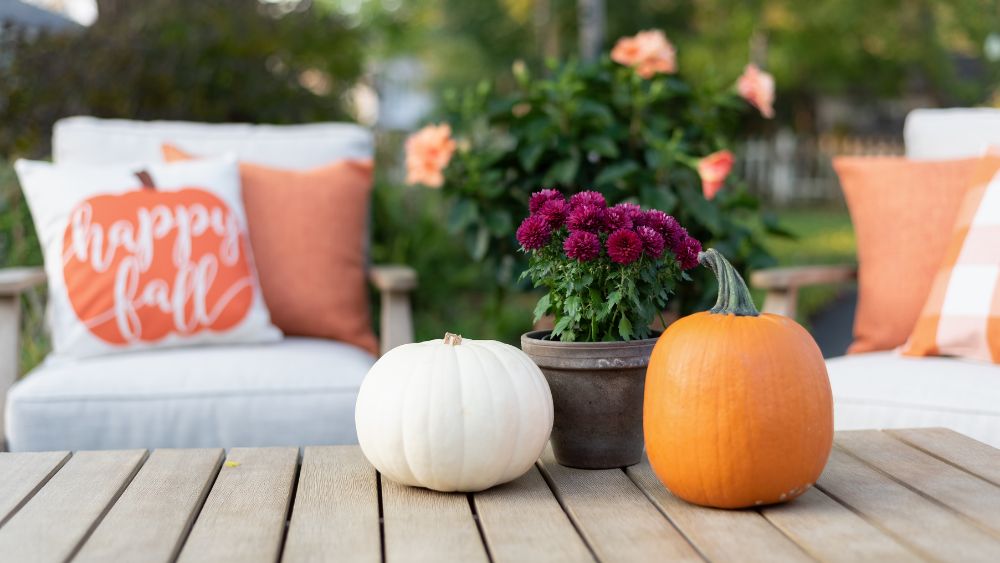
pixel 243 519
pixel 22 474
pixel 969 454
pixel 51 526
pixel 720 535
pixel 831 532
pixel 335 515
pixel 920 523
pixel 614 517
pixel 153 516
pixel 963 492
pixel 424 525
pixel 522 521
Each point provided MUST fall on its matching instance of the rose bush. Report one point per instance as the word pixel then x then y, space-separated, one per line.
pixel 628 127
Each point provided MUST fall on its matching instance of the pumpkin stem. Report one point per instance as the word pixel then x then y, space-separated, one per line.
pixel 452 339
pixel 734 296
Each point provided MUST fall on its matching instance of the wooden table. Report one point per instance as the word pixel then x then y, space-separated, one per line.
pixel 895 495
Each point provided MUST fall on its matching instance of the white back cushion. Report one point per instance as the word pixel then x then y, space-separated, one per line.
pixel 937 134
pixel 89 140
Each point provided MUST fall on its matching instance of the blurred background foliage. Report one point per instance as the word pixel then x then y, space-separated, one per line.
pixel 289 61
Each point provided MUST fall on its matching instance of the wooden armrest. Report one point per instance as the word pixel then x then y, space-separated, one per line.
pixel 782 284
pixel 393 278
pixel 13 281
pixel 799 276
pixel 395 284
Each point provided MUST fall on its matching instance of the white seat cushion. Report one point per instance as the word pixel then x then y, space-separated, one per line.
pixel 88 140
pixel 297 392
pixel 886 390
pixel 938 134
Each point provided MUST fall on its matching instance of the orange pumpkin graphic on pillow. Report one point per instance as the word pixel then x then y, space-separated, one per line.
pixel 145 264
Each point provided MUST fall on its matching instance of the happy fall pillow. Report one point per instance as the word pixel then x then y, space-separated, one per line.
pixel 145 257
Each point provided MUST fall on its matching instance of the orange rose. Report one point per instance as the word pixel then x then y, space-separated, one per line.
pixel 757 87
pixel 428 152
pixel 713 170
pixel 648 52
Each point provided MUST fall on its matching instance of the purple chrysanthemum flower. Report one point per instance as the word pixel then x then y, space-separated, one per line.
pixel 588 198
pixel 538 199
pixel 617 217
pixel 554 211
pixel 534 233
pixel 582 246
pixel 652 241
pixel 634 211
pixel 586 218
pixel 687 252
pixel 624 246
pixel 664 224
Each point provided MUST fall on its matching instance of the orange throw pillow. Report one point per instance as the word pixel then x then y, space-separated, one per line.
pixel 962 314
pixel 308 231
pixel 899 208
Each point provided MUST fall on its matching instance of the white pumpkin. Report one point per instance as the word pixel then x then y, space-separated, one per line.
pixel 454 414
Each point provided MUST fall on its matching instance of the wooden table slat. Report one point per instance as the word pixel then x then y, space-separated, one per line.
pixel 971 455
pixel 522 521
pixel 614 516
pixel 51 526
pixel 243 519
pixel 915 520
pixel 831 532
pixel 152 517
pixel 335 514
pixel 22 475
pixel 962 491
pixel 424 525
pixel 721 535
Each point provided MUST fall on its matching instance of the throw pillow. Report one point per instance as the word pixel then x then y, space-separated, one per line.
pixel 309 232
pixel 145 258
pixel 899 208
pixel 962 313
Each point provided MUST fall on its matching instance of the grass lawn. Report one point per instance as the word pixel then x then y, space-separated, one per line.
pixel 824 236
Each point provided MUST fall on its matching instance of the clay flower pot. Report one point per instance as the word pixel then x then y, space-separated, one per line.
pixel 597 391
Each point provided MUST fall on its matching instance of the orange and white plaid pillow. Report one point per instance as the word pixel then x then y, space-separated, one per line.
pixel 962 313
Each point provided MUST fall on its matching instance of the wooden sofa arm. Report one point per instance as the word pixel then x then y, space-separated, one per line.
pixel 13 282
pixel 782 284
pixel 395 284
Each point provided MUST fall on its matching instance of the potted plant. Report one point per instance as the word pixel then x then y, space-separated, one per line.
pixel 608 272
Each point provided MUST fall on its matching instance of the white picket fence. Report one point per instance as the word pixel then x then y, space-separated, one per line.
pixel 788 169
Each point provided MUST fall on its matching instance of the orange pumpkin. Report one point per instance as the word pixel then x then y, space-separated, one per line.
pixel 144 264
pixel 738 410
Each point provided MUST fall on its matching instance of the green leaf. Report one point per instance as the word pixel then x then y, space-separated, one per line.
pixel 529 155
pixel 658 197
pixel 478 242
pixel 499 222
pixel 625 328
pixel 542 307
pixel 616 172
pixel 774 227
pixel 601 145
pixel 564 171
pixel 463 213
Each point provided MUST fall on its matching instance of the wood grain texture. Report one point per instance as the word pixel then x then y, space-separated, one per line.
pixel 22 475
pixel 831 532
pixel 51 526
pixel 971 455
pixel 522 521
pixel 335 516
pixel 962 491
pixel 720 535
pixel 243 519
pixel 920 523
pixel 152 517
pixel 427 526
pixel 614 516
